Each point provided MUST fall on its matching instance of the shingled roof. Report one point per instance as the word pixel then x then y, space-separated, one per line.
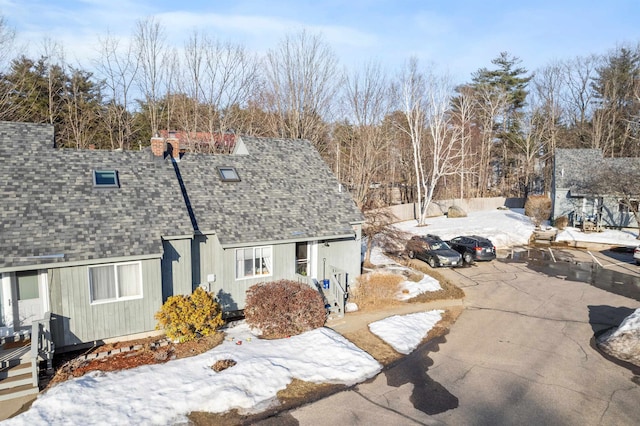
pixel 51 212
pixel 286 192
pixel 572 166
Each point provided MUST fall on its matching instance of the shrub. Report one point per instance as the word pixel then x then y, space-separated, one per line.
pixel 538 208
pixel 562 222
pixel 284 308
pixel 185 318
pixel 375 290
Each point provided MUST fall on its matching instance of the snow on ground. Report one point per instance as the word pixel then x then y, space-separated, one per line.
pixel 624 342
pixel 165 393
pixel 411 289
pixel 505 228
pixel 416 327
pixel 607 236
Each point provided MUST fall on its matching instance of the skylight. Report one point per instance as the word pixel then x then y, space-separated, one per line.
pixel 106 179
pixel 228 174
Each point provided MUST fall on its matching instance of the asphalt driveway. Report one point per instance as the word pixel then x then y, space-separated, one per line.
pixel 521 352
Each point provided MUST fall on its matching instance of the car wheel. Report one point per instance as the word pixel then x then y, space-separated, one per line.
pixel 638 262
pixel 432 262
pixel 411 254
pixel 467 258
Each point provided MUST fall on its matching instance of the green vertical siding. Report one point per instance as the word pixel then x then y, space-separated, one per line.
pixel 231 293
pixel 177 268
pixel 76 321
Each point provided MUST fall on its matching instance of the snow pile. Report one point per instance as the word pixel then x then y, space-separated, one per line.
pixel 411 289
pixel 415 328
pixel 505 228
pixel 624 342
pixel 607 236
pixel 166 393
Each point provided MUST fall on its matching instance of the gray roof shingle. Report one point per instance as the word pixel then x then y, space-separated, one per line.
pixel 571 166
pixel 286 192
pixel 50 206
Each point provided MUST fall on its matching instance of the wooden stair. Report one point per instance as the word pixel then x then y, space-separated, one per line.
pixel 16 371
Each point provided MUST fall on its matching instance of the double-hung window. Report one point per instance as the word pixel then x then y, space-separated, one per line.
pixel 253 262
pixel 114 282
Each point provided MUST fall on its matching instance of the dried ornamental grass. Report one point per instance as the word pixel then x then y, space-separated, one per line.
pixel 376 290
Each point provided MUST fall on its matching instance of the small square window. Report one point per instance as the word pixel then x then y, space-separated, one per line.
pixel 106 179
pixel 228 174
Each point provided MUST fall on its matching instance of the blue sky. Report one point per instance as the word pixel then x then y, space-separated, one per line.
pixel 455 36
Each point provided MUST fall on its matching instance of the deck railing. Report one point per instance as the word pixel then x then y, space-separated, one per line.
pixel 42 347
pixel 339 286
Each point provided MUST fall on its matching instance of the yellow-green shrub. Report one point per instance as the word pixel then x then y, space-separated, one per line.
pixel 185 318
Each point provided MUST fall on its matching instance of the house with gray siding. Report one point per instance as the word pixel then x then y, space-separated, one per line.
pixel 98 240
pixel 575 197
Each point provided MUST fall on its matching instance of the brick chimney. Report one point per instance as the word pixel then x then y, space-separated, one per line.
pixel 173 146
pixel 157 146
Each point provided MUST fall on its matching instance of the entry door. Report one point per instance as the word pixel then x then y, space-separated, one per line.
pixel 27 299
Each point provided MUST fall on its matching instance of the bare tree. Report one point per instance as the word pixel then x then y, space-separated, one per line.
pixel 366 101
pixel 616 180
pixel 578 99
pixel 379 230
pixel 151 51
pixel 8 107
pixel 230 80
pixel 81 102
pixel 425 100
pixel 301 82
pixel 117 67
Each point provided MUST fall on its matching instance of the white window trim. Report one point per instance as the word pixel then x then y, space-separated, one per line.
pixel 117 299
pixel 251 277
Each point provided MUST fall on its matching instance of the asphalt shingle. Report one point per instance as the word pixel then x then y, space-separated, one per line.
pixel 50 206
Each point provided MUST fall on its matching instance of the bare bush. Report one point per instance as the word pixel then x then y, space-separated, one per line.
pixel 562 222
pixel 538 208
pixel 284 308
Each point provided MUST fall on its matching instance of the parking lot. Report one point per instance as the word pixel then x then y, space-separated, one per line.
pixel 521 352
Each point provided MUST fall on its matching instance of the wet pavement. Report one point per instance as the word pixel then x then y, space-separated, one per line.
pixel 614 271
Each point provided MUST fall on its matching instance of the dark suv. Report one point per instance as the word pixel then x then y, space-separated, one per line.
pixel 473 248
pixel 434 251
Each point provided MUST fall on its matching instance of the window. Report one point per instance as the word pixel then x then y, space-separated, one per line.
pixel 228 174
pixel 302 258
pixel 628 206
pixel 27 285
pixel 253 262
pixel 110 283
pixel 106 179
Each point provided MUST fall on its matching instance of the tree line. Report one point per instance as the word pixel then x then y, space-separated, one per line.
pixel 403 135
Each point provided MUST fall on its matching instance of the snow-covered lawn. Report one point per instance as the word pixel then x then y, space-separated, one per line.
pixel 505 228
pixel 166 393
pixel 415 327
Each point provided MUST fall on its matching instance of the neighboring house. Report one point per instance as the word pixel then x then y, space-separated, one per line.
pixel 573 197
pixel 100 239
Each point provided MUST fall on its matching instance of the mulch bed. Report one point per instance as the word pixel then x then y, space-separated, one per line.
pixel 131 354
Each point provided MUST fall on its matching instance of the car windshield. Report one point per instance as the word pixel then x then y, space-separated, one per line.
pixel 439 246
